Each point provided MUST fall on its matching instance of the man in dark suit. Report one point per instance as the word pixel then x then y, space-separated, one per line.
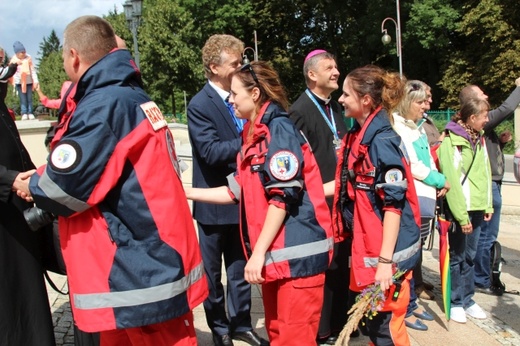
pixel 215 138
pixel 320 119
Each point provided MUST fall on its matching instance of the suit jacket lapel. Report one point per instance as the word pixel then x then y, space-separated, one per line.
pixel 221 107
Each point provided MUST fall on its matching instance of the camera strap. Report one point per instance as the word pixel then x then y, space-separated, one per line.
pixel 52 284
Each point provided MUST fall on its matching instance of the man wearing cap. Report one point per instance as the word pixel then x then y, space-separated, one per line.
pixel 24 80
pixel 320 119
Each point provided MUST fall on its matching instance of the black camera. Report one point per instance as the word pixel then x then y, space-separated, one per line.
pixel 37 218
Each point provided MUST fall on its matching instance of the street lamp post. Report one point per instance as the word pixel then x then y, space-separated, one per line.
pixel 133 11
pixel 386 39
pixel 245 59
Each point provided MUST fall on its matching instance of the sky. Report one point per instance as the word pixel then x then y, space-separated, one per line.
pixel 30 21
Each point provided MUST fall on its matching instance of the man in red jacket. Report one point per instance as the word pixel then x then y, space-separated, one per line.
pixel 133 263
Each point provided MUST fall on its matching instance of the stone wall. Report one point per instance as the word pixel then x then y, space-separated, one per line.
pixel 33 134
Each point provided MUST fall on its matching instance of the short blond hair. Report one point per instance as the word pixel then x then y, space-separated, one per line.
pixel 414 91
pixel 213 48
pixel 91 36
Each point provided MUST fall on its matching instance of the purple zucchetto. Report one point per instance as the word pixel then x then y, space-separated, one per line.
pixel 313 53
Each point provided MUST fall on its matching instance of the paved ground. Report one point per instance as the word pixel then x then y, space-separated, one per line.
pixel 501 328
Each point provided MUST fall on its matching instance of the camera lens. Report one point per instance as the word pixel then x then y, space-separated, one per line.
pixel 36 218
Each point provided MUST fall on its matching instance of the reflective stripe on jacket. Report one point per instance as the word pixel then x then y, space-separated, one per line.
pixel 373 175
pixel 126 230
pixel 278 168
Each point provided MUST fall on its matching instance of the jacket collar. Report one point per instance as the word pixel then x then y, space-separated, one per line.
pixel 375 123
pixel 405 122
pixel 115 68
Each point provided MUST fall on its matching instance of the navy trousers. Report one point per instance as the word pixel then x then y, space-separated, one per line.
pixel 219 242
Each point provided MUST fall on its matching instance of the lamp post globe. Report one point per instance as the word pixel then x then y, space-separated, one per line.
pixel 386 39
pixel 245 58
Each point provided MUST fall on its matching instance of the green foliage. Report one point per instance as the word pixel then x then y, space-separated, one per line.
pixel 170 51
pixel 457 76
pixel 49 45
pixel 486 53
pixel 507 125
pixel 118 22
pixel 445 43
pixel 11 100
pixel 52 75
pixel 432 21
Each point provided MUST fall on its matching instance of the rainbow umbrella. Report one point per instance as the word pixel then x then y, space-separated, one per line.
pixel 444 226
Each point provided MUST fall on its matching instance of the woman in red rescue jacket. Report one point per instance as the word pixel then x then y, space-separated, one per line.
pixel 285 222
pixel 375 200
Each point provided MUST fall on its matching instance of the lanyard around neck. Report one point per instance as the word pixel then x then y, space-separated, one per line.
pixel 330 123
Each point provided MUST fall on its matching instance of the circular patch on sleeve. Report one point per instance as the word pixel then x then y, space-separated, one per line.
pixel 393 175
pixel 284 165
pixel 65 156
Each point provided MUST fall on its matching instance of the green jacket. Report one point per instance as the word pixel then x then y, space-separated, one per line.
pixel 455 155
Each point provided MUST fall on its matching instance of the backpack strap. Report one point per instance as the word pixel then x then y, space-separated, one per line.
pixel 447 134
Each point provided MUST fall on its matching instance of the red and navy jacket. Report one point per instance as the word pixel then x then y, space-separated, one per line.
pixel 126 231
pixel 278 168
pixel 373 177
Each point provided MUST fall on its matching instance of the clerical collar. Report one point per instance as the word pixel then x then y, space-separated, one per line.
pixel 325 101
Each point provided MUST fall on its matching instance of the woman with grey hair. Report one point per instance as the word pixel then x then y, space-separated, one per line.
pixel 429 183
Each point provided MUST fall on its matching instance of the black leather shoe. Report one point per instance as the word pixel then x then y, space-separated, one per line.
pixel 222 340
pixel 492 291
pixel 331 340
pixel 250 337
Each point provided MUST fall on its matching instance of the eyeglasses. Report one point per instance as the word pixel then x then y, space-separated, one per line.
pixel 250 69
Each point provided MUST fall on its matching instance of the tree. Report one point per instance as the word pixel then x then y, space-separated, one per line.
pixel 486 53
pixel 429 36
pixel 170 53
pixel 49 45
pixel 52 75
pixel 214 17
pixel 118 22
pixel 446 43
pixel 287 36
